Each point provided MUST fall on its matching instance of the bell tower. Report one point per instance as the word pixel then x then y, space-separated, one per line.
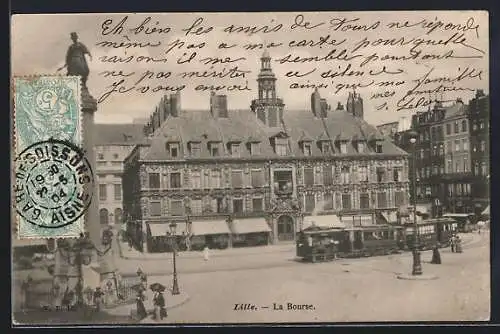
pixel 268 107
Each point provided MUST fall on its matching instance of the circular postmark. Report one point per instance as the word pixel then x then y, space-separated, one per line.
pixel 54 183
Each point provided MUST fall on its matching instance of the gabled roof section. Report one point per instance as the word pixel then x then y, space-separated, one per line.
pixel 244 126
pixel 323 137
pixel 118 134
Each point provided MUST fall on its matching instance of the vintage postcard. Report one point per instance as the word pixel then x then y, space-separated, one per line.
pixel 285 167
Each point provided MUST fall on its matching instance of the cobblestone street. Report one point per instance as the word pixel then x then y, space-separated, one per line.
pixel 344 290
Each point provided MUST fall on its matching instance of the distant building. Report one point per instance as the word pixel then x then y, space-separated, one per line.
pixel 479 120
pixel 209 170
pixel 114 142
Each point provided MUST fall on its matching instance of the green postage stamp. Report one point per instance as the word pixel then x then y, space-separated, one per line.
pixel 53 178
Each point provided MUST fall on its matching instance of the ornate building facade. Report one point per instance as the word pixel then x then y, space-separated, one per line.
pixel 267 165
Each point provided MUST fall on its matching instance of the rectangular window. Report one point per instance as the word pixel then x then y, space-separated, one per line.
pixel 176 207
pixel 327 175
pixel 400 198
pixel 155 208
pixel 257 178
pixel 382 200
pixel 465 144
pixel 343 148
pixel 484 169
pixel 196 179
pixel 457 145
pixel 464 126
pixel 466 164
pixel 214 149
pixel 173 150
pixel 235 150
pixel 103 194
pixel 380 174
pixel 238 205
pixel 455 128
pixel 195 149
pixel 308 176
pixel 257 204
pixel 310 203
pixel 346 201
pixel 196 208
pixel 307 149
pixel 328 201
pixel 118 192
pixel 457 167
pixel 364 201
pixel 175 180
pixel 237 179
pixel 397 174
pixel 326 147
pixel 281 150
pixel 215 180
pixel 254 148
pixel 154 180
pixel 283 182
pixel 483 146
pixel 363 174
pixel 345 175
pixel 448 129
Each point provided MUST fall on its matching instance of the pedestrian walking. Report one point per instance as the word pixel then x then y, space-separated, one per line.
pixel 436 257
pixel 160 311
pixel 458 246
pixel 452 243
pixel 141 309
pixel 206 253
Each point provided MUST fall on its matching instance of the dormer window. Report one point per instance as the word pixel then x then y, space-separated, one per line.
pixel 173 149
pixel 195 149
pixel 326 147
pixel 361 146
pixel 214 149
pixel 235 150
pixel 378 148
pixel 255 148
pixel 280 143
pixel 281 149
pixel 343 147
pixel 306 148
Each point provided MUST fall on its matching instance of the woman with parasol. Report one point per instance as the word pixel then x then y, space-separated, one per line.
pixel 158 301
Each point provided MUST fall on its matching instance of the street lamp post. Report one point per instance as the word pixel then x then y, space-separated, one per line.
pixel 175 286
pixel 417 264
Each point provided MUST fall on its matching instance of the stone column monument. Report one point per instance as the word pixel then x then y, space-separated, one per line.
pixel 102 262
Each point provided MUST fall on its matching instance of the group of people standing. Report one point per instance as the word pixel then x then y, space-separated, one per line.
pixel 159 305
pixel 456 244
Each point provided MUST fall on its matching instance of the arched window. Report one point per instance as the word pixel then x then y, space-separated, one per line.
pixel 118 216
pixel 103 216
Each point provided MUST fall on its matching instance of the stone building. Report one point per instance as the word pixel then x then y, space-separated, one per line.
pixel 113 143
pixel 212 170
pixel 479 127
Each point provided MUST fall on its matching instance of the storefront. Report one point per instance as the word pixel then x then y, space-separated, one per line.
pixel 212 233
pixel 250 232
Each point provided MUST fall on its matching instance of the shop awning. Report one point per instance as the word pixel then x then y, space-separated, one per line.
pixel 390 216
pixel 159 229
pixel 209 227
pixel 328 221
pixel 250 225
pixel 358 220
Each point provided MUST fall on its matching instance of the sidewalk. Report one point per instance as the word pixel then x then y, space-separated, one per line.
pixel 133 254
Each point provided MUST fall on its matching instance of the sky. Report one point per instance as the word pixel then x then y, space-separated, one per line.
pixel 39 44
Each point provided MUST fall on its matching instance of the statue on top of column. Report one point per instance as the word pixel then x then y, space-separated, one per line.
pixel 76 63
